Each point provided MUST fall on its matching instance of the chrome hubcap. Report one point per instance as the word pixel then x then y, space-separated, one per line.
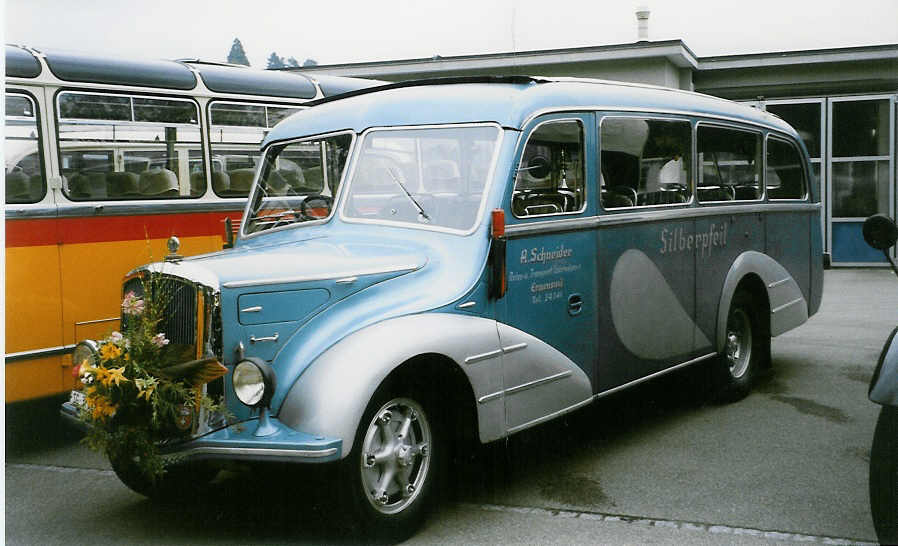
pixel 395 456
pixel 738 343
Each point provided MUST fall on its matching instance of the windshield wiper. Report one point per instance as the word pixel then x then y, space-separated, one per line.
pixel 412 199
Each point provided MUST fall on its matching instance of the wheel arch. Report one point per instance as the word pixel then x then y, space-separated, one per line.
pixel 331 395
pixel 782 303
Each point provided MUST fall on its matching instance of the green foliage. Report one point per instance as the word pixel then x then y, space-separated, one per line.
pixel 140 392
pixel 274 61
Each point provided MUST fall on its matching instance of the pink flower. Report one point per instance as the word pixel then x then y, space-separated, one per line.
pixel 159 340
pixel 116 337
pixel 131 304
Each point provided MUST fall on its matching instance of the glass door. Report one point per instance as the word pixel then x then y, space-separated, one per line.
pixel 861 172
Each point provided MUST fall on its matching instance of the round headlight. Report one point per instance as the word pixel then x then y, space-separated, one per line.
pixel 253 382
pixel 85 354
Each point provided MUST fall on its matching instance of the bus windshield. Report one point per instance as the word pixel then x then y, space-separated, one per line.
pixel 422 177
pixel 298 182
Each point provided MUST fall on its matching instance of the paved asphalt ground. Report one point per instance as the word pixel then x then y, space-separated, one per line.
pixel 656 464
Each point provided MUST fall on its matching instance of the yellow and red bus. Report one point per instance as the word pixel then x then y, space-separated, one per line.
pixel 107 158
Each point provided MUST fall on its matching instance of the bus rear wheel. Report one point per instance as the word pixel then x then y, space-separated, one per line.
pixel 744 351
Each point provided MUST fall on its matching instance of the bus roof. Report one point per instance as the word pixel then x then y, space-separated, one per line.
pixel 180 75
pixel 507 100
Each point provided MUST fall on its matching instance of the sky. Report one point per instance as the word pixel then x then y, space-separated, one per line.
pixel 375 30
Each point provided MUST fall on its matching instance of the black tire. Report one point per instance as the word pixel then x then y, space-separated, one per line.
pixel 417 459
pixel 177 481
pixel 746 349
pixel 884 476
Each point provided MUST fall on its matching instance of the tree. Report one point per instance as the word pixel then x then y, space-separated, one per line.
pixel 310 62
pixel 274 61
pixel 237 54
pixel 292 62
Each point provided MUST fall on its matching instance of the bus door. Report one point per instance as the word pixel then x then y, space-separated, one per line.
pixel 550 274
pixel 729 175
pixel 34 341
pixel 647 244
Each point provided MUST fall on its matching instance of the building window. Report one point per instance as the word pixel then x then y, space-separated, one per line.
pixel 860 158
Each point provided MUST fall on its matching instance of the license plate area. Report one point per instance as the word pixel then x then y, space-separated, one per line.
pixel 77 399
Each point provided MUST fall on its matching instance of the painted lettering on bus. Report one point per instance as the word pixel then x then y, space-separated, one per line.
pixel 541 255
pixel 677 240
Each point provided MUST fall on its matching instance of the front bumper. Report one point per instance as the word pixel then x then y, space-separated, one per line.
pixel 238 442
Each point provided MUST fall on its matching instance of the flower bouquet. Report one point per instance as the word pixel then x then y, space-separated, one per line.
pixel 141 390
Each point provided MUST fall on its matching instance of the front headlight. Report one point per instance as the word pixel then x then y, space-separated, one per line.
pixel 254 382
pixel 86 354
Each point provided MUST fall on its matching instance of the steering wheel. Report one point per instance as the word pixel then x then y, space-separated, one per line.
pixel 312 206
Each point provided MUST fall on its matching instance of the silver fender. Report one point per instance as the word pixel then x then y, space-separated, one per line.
pixel 788 307
pixel 330 396
pixel 884 385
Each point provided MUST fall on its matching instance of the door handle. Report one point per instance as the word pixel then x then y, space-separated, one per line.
pixel 254 339
pixel 574 304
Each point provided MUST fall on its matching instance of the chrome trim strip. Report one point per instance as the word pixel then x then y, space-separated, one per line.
pixel 254 309
pixel 146 206
pixel 489 397
pixel 655 215
pixel 347 280
pixel 467 304
pixel 549 417
pixel 538 383
pixel 785 305
pixel 473 359
pixel 97 321
pixel 652 376
pixel 513 348
pixel 253 452
pixel 39 353
pixel 779 282
pixel 310 278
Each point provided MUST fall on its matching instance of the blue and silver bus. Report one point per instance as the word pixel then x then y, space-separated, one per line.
pixel 490 254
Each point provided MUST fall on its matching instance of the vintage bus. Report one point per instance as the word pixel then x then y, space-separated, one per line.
pixel 528 247
pixel 105 159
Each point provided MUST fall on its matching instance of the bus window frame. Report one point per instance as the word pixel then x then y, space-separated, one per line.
pixel 761 162
pixel 656 116
pixel 201 141
pixel 40 143
pixel 804 169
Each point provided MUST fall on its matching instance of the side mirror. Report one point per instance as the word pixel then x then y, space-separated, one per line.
pixel 880 232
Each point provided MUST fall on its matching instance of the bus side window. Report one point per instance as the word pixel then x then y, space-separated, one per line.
pixel 645 162
pixel 550 178
pixel 25 181
pixel 115 147
pixel 784 176
pixel 236 131
pixel 729 164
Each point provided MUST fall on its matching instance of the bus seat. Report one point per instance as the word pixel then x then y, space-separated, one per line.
pixel 122 184
pixel 17 187
pixel 88 186
pixel 241 181
pixel 36 186
pixel 198 183
pixel 277 183
pixel 221 182
pixel 158 182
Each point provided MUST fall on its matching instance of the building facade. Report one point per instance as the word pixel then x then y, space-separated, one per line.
pixel 842 101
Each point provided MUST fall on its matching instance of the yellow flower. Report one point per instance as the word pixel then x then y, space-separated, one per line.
pixel 109 351
pixel 100 373
pixel 146 387
pixel 100 407
pixel 115 375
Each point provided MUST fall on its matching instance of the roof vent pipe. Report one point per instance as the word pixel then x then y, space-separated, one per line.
pixel 642 21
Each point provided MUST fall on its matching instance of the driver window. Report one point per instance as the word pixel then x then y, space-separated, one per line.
pixel 550 178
